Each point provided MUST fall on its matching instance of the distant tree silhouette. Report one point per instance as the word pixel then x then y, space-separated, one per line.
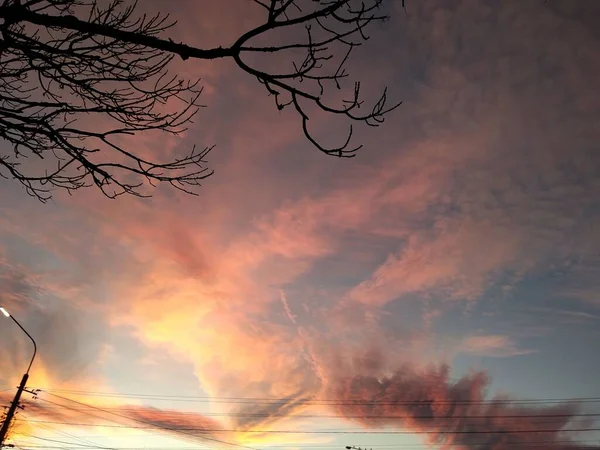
pixel 64 63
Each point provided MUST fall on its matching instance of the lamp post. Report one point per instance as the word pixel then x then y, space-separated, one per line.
pixel 15 402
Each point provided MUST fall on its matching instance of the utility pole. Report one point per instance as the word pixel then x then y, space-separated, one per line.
pixel 12 409
pixel 15 403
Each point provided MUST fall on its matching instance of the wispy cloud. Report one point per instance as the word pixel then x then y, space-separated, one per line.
pixel 494 345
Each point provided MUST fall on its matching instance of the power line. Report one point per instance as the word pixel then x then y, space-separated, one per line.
pixel 119 424
pixel 69 435
pixel 531 418
pixel 320 401
pixel 176 414
pixel 153 425
pixel 197 433
pixel 76 410
pixel 69 443
pixel 375 446
pixel 182 429
pixel 337 431
pixel 406 446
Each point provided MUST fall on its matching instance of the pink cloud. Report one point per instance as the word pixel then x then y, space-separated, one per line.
pixel 451 413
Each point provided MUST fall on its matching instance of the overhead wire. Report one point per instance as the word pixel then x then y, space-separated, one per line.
pixel 366 447
pixel 349 431
pixel 198 433
pixel 153 425
pixel 582 444
pixel 316 401
pixel 241 430
pixel 74 409
pixel 65 442
pixel 84 407
pixel 520 416
pixel 203 430
pixel 69 435
pixel 119 424
pixel 172 413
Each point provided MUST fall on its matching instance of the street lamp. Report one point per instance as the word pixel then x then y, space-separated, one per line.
pixel 15 402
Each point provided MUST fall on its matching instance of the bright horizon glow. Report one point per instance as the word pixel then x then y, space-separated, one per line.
pixel 5 312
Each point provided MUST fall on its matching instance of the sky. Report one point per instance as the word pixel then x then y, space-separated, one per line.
pixel 451 270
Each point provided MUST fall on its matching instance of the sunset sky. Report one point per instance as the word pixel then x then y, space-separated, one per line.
pixel 455 259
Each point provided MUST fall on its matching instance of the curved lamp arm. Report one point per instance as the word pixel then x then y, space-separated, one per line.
pixel 6 314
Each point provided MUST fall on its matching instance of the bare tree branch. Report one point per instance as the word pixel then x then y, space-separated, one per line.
pixel 65 62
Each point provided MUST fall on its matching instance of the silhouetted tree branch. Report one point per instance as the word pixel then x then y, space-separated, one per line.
pixel 63 63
